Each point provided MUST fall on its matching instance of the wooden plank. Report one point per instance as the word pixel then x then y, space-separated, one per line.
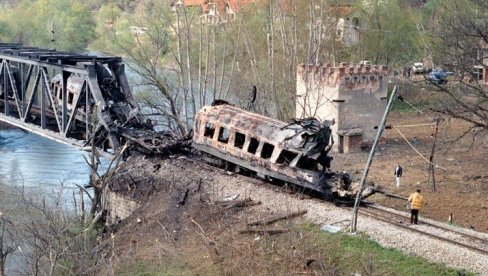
pixel 237 203
pixel 277 218
pixel 263 231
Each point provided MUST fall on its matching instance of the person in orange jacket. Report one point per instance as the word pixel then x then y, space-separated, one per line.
pixel 416 201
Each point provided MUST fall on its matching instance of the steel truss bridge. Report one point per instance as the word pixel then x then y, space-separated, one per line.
pixel 71 98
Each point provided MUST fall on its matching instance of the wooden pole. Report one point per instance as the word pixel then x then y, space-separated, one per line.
pixel 354 219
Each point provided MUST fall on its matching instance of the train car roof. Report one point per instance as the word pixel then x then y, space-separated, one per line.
pixel 289 135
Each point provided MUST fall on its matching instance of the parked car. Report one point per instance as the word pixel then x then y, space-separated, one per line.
pixel 438 76
pixel 418 68
pixel 366 63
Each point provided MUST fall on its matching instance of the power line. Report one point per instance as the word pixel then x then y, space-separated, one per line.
pixel 428 124
pixel 411 105
pixel 408 142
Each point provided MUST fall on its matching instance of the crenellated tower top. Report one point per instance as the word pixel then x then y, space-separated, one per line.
pixel 349 76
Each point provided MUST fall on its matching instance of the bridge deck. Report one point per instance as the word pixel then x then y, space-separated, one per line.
pixel 62 95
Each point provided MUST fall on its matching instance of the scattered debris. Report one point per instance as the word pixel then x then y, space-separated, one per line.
pixel 381 191
pixel 331 228
pixel 183 200
pixel 155 143
pixel 309 262
pixel 277 218
pixel 237 203
pixel 263 231
pixel 230 197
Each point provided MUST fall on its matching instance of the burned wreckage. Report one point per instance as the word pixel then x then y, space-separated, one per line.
pixel 295 153
pixel 86 101
pixel 78 99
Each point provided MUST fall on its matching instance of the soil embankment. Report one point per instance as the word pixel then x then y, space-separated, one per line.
pixel 180 227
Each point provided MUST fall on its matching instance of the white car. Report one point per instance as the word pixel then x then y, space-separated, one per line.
pixel 418 68
pixel 366 63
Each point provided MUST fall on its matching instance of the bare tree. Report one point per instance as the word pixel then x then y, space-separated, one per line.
pixel 53 241
pixel 9 238
pixel 460 37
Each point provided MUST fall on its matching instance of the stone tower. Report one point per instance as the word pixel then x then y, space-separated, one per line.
pixel 355 96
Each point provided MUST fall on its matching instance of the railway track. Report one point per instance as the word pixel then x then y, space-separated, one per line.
pixel 443 233
pixel 447 234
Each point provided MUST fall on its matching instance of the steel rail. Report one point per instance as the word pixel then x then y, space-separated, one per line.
pixel 434 225
pixel 388 220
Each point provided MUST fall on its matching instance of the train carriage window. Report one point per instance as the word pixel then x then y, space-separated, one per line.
pixel 253 145
pixel 286 157
pixel 239 140
pixel 223 135
pixel 267 151
pixel 307 163
pixel 209 130
pixel 70 97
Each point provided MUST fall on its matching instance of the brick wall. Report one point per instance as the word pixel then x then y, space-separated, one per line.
pixel 353 95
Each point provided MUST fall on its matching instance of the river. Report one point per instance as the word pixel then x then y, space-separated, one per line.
pixel 41 165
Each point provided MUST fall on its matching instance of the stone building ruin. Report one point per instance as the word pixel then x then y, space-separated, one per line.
pixel 355 96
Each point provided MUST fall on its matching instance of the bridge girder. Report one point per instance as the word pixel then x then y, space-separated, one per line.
pixel 71 98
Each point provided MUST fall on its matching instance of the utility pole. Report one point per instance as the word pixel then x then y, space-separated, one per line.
pixel 437 120
pixel 354 219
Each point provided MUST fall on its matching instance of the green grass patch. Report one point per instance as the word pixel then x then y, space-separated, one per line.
pixel 360 254
pixel 421 96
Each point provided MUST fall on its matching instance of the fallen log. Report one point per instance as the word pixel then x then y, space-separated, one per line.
pixel 277 218
pixel 263 231
pixel 237 203
pixel 225 203
pixel 247 204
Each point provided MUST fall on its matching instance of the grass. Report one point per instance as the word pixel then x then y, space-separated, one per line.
pixel 304 250
pixel 308 250
pixel 421 96
pixel 147 268
pixel 352 254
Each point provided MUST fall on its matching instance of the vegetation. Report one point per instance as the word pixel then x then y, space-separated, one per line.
pixel 304 250
pixel 40 236
pixel 460 40
pixel 184 61
pixel 389 33
pixel 360 254
pixel 65 24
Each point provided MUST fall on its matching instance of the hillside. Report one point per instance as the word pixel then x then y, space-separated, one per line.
pixel 184 225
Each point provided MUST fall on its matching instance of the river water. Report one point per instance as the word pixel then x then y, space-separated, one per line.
pixel 41 165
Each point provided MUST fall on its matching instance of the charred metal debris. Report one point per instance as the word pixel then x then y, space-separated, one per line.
pixel 86 101
pixel 295 153
pixel 77 99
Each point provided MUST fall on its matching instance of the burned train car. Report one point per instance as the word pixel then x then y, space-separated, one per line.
pixel 119 104
pixel 295 153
